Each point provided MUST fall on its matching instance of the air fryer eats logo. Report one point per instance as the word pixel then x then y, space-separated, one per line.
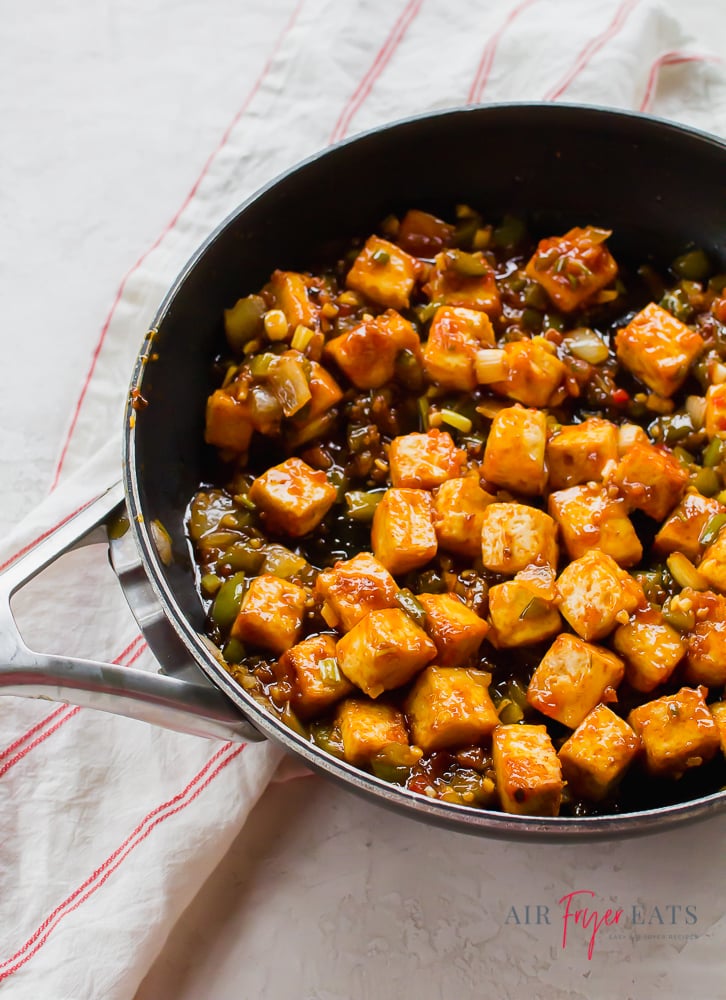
pixel 583 919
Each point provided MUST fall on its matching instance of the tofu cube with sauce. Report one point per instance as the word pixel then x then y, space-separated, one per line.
pixel 455 335
pixel 598 753
pixel 403 535
pixel 514 535
pixel 423 461
pixel 384 273
pixel 572 678
pixel 706 640
pixel 533 372
pixel 228 422
pixel 589 518
pixel 367 353
pixel 514 457
pixel 651 648
pixel 682 531
pixel 459 506
pixel 353 588
pixel 574 267
pixel 450 707
pixel 718 711
pixel 466 280
pixel 650 479
pixel 528 771
pixel 658 349
pixel 596 595
pixel 678 732
pixel 519 616
pixel 271 614
pixel 384 650
pixel 456 630
pixel 293 497
pixel 366 728
pixel 715 416
pixel 713 562
pixel 315 689
pixel 290 291
pixel 579 453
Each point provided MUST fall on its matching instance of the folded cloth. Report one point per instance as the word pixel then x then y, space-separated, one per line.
pixel 109 826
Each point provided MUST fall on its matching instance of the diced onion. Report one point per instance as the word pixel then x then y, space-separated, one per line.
pixel 491 366
pixel 696 409
pixel 301 337
pixel 162 542
pixel 457 420
pixel 685 573
pixel 587 345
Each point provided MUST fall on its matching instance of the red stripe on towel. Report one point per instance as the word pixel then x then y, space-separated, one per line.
pixel 668 59
pixel 490 50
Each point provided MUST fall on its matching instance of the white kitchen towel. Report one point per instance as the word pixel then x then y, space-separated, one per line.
pixel 109 826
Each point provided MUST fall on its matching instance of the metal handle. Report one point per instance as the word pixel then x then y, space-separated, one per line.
pixel 173 702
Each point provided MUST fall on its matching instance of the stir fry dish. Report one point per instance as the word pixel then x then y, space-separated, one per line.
pixel 465 520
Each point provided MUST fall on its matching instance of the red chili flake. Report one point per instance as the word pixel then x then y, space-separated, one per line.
pixel 620 397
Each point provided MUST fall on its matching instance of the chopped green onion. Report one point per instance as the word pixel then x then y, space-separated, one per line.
pixel 329 671
pixel 380 257
pixel 423 412
pixel 457 420
pixel 301 337
pixel 413 607
pixel 677 618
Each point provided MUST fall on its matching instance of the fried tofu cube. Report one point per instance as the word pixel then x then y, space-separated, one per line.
pixel 455 336
pixel 384 650
pixel 677 731
pixel 574 267
pixel 713 562
pixel 462 279
pixel 271 615
pixel 718 711
pixel 423 461
pixel 589 518
pixel 403 535
pixel 290 291
pixel 228 422
pixel 366 728
pixel 423 234
pixel 573 677
pixel 293 497
pixel 456 630
pixel 514 457
pixel 658 349
pixel 598 753
pixel 596 594
pixel 384 273
pixel 533 371
pixel 514 535
pixel 650 479
pixel 459 506
pixel 579 453
pixel 683 530
pixel 706 656
pixel 519 616
pixel 324 392
pixel 528 771
pixel 651 648
pixel 315 689
pixel 715 418
pixel 353 588
pixel 367 353
pixel 450 707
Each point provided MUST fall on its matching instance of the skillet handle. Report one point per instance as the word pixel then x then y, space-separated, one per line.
pixel 186 706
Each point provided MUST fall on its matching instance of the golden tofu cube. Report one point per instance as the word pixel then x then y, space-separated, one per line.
pixel 367 728
pixel 519 616
pixel 315 689
pixel 367 353
pixel 459 506
pixel 596 594
pixel 384 273
pixel 677 731
pixel 455 336
pixel 589 518
pixel 598 753
pixel 715 418
pixel 228 422
pixel 403 535
pixel 534 372
pixel 423 461
pixel 650 479
pixel 658 349
pixel 718 711
pixel 578 454
pixel 423 234
pixel 290 291
pixel 450 707
pixel 271 615
pixel 293 498
pixel 451 282
pixel 683 529
pixel 352 589
pixel 456 630
pixel 324 393
pixel 384 650
pixel 706 655
pixel 713 562
pixel 514 535
pixel 573 677
pixel 574 267
pixel 528 771
pixel 514 457
pixel 651 648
